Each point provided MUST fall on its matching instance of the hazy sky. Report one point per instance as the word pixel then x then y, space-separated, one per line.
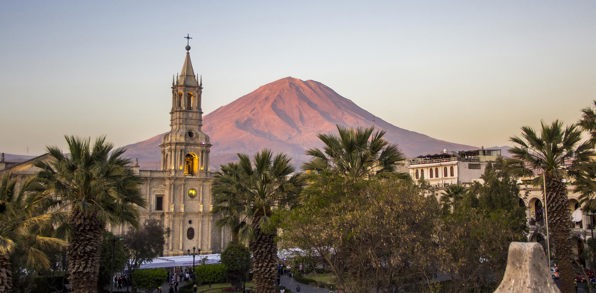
pixel 471 72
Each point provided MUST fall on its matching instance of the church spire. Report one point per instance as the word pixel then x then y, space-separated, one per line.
pixel 185 149
pixel 187 74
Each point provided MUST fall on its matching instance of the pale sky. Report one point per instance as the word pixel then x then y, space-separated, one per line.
pixel 470 72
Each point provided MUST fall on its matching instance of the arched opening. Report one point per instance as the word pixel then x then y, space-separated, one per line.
pixel 538 212
pixel 451 171
pixel 191 164
pixel 179 100
pixel 189 101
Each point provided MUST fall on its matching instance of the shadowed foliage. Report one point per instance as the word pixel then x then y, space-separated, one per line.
pixel 26 233
pixel 354 153
pixel 251 191
pixel 548 152
pixel 94 185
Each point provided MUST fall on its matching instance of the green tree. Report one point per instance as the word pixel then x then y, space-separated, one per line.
pixel 262 186
pixel 94 185
pixel 210 274
pixel 114 258
pixel 583 170
pixel 143 244
pixel 227 205
pixel 150 278
pixel 453 194
pixel 25 231
pixel 354 153
pixel 479 228
pixel 236 258
pixel 375 233
pixel 354 215
pixel 548 152
pixel 588 121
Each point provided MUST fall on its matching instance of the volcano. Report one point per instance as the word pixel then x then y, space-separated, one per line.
pixel 286 116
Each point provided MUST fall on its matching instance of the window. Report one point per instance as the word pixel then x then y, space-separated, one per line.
pixel 191 163
pixel 189 101
pixel 444 171
pixel 159 202
pixel 417 174
pixel 430 171
pixel 474 166
pixel 451 173
pixel 422 174
pixel 437 172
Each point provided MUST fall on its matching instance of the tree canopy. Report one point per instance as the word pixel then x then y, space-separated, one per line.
pixel 248 194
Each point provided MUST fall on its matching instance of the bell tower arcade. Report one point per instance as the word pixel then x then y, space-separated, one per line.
pixel 185 149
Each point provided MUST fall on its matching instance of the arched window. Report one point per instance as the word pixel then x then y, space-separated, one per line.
pixel 538 211
pixel 444 171
pixel 179 100
pixel 437 172
pixel 451 171
pixel 191 164
pixel 422 174
pixel 189 101
pixel 417 174
pixel 430 171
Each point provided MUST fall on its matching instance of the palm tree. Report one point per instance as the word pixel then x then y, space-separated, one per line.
pixel 94 186
pixel 548 152
pixel 24 222
pixel 453 194
pixel 355 153
pixel 584 170
pixel 588 121
pixel 259 187
pixel 227 205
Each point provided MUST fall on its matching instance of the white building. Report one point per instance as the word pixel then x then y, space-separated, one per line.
pixel 178 195
pixel 463 167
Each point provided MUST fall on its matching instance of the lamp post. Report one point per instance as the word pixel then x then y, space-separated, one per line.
pixel 193 261
pixel 112 264
pixel 194 253
pixel 546 217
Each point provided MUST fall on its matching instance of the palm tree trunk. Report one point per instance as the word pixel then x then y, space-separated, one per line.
pixel 84 251
pixel 559 223
pixel 264 251
pixel 5 273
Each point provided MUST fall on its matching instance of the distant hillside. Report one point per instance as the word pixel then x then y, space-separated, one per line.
pixel 286 116
pixel 10 158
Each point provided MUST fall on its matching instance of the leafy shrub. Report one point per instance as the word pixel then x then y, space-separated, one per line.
pixel 150 278
pixel 210 274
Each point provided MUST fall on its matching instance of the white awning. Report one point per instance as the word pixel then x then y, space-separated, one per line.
pixel 181 261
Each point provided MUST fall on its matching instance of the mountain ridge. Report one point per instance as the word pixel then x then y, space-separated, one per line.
pixel 286 116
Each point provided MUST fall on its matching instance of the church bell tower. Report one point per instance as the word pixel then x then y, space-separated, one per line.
pixel 185 149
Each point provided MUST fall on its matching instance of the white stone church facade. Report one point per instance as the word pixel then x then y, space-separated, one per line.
pixel 179 195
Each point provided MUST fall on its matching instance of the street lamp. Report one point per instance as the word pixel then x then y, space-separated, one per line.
pixel 546 217
pixel 194 253
pixel 112 264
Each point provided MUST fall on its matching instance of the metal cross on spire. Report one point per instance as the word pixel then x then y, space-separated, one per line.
pixel 187 42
